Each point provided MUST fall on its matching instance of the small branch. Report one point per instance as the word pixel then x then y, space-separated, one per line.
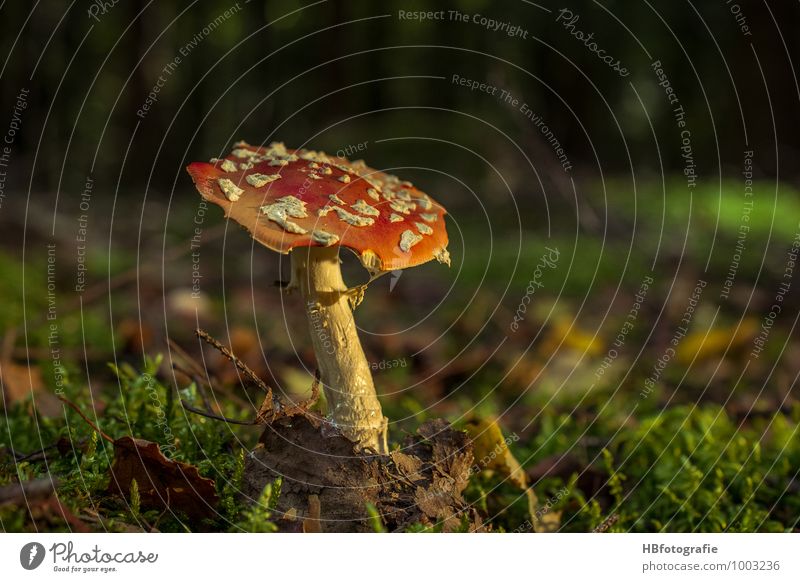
pixel 41 453
pixel 236 361
pixel 203 394
pixel 74 407
pixel 201 386
pixel 301 407
pixel 268 410
pixel 607 523
pixel 190 368
pixel 271 408
pixel 19 457
pixel 213 416
pixel 190 362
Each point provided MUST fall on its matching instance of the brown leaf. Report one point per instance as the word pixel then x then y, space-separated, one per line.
pixel 162 482
pixel 19 382
pixel 492 454
pixel 716 342
pixel 135 336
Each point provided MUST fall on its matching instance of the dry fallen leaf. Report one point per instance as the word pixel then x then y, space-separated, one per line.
pixel 492 454
pixel 162 482
pixel 19 382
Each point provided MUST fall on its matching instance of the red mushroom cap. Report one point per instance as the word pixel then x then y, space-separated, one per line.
pixel 299 198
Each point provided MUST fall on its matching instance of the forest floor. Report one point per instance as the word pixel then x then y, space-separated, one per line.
pixel 597 407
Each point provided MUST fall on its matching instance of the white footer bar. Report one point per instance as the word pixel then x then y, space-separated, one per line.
pixel 379 558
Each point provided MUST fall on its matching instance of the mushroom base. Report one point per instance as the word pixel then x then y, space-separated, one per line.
pixel 327 484
pixel 353 405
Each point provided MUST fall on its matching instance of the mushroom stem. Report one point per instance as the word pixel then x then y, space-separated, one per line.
pixel 353 405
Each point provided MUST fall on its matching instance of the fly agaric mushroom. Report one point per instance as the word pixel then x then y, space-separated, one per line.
pixel 309 205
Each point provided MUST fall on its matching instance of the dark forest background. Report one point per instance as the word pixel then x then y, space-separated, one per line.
pixel 88 79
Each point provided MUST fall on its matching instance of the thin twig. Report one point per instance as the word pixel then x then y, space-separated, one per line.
pixel 203 394
pixel 40 454
pixel 607 523
pixel 29 456
pixel 271 408
pixel 213 416
pixel 267 412
pixel 202 380
pixel 190 361
pixel 195 373
pixel 201 386
pixel 179 368
pixel 236 361
pixel 86 418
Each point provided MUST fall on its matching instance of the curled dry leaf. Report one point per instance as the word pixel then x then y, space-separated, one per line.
pixel 162 482
pixel 492 454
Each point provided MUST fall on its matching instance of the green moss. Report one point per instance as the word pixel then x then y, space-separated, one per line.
pixel 683 469
pixel 143 407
